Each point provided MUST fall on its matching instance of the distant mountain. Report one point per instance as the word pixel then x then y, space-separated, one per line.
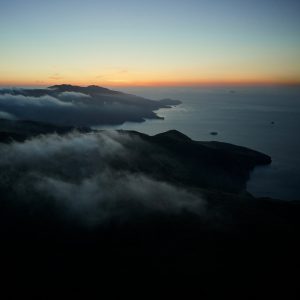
pixel 71 105
pixel 90 90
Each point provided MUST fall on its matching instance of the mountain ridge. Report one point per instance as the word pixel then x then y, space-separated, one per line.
pixel 71 105
pixel 84 89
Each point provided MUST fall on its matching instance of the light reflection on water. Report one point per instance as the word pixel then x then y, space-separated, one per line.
pixel 264 119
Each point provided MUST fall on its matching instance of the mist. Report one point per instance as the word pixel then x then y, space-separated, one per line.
pixel 87 176
pixel 77 106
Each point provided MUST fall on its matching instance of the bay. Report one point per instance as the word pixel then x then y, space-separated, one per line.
pixel 266 119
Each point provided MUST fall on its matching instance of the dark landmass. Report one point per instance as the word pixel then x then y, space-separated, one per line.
pixel 12 130
pixel 169 156
pixel 89 90
pixel 70 105
pixel 214 133
pixel 169 102
pixel 230 243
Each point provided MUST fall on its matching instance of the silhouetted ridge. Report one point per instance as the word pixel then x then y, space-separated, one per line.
pixel 169 102
pixel 71 105
pixel 91 89
pixel 173 134
pixel 170 156
pixel 63 87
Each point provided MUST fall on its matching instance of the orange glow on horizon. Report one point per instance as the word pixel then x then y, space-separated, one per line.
pixel 127 83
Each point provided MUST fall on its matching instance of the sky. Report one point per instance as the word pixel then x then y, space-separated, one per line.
pixel 151 43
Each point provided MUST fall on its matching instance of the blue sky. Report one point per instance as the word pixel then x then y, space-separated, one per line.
pixel 163 41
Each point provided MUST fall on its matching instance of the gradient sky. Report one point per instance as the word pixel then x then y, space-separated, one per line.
pixel 139 42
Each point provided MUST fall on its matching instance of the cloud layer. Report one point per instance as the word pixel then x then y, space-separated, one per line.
pixel 74 108
pixel 87 176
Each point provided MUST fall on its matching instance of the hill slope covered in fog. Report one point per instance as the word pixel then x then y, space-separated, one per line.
pixel 78 106
pixel 77 201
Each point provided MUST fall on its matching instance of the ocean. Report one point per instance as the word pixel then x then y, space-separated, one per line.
pixel 266 119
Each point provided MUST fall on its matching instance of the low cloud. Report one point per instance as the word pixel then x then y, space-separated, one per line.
pixel 73 95
pixel 72 108
pixel 86 176
pixel 44 109
pixel 7 116
pixel 8 100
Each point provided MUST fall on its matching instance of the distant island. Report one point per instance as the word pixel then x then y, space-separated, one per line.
pixel 79 106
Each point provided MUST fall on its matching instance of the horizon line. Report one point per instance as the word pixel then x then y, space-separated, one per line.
pixel 154 84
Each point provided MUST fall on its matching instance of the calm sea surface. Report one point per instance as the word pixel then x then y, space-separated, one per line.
pixel 264 119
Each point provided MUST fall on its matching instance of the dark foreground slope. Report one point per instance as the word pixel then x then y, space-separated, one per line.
pixel 176 216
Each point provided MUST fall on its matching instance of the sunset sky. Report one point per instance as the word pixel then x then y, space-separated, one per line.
pixel 142 42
